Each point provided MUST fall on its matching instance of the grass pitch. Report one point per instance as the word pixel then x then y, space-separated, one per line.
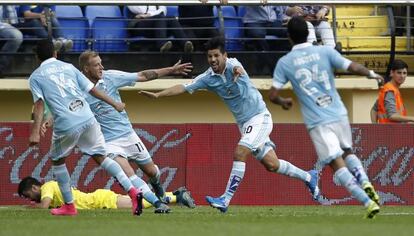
pixel 240 221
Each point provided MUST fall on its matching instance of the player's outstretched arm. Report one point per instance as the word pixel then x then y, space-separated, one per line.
pixel 177 69
pixel 38 108
pixel 359 69
pixel 274 97
pixel 172 91
pixel 119 106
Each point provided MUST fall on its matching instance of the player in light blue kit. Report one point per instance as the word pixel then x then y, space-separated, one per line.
pixel 122 142
pixel 62 87
pixel 310 70
pixel 227 78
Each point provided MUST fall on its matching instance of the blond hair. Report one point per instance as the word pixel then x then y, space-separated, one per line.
pixel 85 57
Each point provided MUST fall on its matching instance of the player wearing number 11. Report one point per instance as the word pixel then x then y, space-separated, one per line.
pixel 62 87
pixel 309 68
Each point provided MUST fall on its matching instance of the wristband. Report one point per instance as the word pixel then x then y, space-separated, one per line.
pixel 371 74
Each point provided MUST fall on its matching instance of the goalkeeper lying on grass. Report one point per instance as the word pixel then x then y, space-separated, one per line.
pixel 48 195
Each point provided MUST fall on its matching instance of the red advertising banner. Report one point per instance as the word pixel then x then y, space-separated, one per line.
pixel 199 156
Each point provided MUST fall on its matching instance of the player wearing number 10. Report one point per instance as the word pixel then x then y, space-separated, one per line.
pixel 309 69
pixel 62 87
pixel 227 78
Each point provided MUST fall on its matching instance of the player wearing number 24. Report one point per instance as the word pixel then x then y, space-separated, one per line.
pixel 309 68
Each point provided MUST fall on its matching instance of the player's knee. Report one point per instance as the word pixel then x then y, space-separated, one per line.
pixel 241 154
pixel 272 166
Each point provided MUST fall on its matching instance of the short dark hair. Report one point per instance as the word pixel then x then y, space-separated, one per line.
pixel 398 64
pixel 216 43
pixel 26 184
pixel 298 30
pixel 44 49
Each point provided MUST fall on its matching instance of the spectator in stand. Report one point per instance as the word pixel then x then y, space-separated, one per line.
pixel 260 21
pixel 315 16
pixel 389 107
pixel 154 18
pixel 205 23
pixel 10 37
pixel 35 19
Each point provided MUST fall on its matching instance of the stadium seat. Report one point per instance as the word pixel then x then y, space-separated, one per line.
pixel 232 28
pixel 68 11
pixel 108 28
pixel 172 11
pixel 73 25
pixel 241 10
pixel 92 12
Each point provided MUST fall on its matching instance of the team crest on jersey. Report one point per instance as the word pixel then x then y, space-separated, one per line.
pixel 235 181
pixel 76 105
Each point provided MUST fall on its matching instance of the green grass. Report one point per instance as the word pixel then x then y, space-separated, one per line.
pixel 252 221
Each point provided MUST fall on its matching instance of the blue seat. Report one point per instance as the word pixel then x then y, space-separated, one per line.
pixel 241 11
pixel 109 34
pixel 172 11
pixel 92 12
pixel 68 11
pixel 108 28
pixel 233 31
pixel 73 25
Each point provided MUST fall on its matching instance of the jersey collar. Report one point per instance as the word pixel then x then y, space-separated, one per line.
pixel 48 61
pixel 301 45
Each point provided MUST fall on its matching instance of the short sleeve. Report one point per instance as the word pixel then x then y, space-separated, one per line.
pixel 337 60
pixel 196 84
pixel 37 92
pixel 47 191
pixel 279 76
pixel 232 62
pixel 120 78
pixel 84 83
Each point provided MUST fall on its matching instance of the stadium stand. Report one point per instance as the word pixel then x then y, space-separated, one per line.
pixel 73 25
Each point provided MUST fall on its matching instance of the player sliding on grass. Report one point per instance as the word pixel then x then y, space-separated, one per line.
pixel 227 79
pixel 62 87
pixel 48 195
pixel 309 69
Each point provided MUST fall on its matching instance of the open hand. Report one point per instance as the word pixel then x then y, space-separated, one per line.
pixel 237 72
pixel 182 69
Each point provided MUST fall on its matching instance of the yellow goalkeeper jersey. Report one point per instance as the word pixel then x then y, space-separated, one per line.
pixel 100 199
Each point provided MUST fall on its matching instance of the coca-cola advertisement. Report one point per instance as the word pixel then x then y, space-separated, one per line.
pixel 200 157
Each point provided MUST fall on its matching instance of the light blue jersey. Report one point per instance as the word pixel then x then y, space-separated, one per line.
pixel 114 124
pixel 310 71
pixel 241 97
pixel 62 87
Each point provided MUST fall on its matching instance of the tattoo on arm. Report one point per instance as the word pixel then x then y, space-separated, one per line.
pixel 150 74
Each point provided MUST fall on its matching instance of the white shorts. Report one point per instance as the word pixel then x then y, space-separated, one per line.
pixel 88 138
pixel 130 147
pixel 255 134
pixel 330 140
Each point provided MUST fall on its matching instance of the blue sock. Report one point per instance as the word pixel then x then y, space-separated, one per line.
pixel 346 179
pixel 115 170
pixel 236 176
pixel 146 191
pixel 286 168
pixel 355 166
pixel 63 179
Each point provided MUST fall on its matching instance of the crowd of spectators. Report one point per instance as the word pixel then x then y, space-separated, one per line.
pixel 264 27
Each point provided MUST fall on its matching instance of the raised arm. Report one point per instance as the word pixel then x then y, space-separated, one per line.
pixel 172 91
pixel 119 106
pixel 177 69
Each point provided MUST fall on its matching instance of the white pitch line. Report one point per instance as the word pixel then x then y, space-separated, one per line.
pixel 397 214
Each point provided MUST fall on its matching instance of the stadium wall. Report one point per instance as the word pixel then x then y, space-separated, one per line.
pixel 199 156
pixel 358 95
